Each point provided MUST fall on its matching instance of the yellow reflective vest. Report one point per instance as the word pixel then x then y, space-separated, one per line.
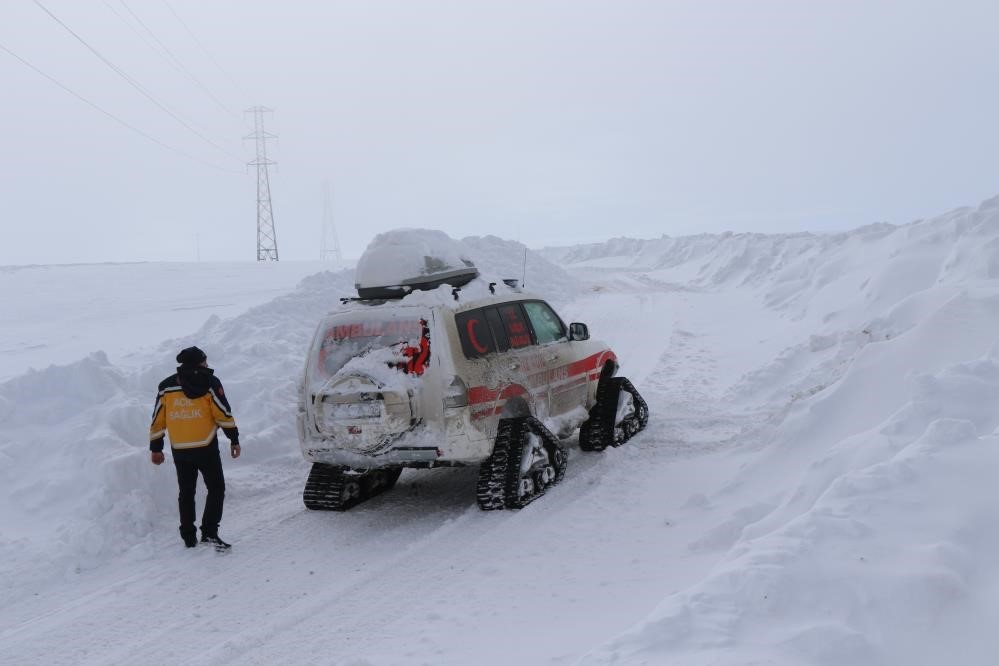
pixel 190 422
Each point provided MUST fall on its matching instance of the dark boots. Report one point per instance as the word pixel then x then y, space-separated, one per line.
pixel 189 535
pixel 220 545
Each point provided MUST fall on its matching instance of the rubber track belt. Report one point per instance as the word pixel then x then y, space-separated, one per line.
pixel 499 475
pixel 331 488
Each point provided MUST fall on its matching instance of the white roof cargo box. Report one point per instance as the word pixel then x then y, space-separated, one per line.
pixel 403 260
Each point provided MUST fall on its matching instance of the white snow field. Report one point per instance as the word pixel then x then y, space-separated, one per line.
pixel 817 484
pixel 58 314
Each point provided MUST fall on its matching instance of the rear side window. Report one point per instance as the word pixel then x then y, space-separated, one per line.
pixel 499 331
pixel 515 325
pixel 496 328
pixel 475 333
pixel 546 324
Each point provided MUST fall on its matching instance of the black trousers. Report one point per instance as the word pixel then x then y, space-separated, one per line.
pixel 188 463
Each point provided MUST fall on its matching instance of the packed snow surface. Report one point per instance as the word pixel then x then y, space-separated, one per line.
pixel 816 484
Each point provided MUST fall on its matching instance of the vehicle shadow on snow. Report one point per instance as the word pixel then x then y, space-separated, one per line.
pixel 424 498
pixel 423 501
pixel 430 498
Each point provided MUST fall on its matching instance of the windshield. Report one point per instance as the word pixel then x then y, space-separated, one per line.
pixel 403 334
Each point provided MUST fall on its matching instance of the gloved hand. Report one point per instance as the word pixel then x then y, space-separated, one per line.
pixel 157 457
pixel 234 450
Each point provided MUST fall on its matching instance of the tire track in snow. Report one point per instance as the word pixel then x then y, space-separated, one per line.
pixel 686 393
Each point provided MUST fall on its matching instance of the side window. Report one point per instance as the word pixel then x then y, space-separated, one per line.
pixel 515 325
pixel 547 325
pixel 475 334
pixel 499 331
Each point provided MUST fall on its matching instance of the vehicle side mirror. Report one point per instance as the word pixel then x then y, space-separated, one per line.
pixel 578 331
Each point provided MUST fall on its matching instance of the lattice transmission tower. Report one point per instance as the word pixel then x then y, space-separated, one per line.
pixel 266 237
pixel 329 237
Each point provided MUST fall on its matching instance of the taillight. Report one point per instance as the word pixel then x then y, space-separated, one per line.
pixel 456 394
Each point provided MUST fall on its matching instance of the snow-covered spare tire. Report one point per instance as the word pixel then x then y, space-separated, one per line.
pixel 363 414
pixel 403 260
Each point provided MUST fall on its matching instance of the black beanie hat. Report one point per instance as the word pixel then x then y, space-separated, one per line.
pixel 191 356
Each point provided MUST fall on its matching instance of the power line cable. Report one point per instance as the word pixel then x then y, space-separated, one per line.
pixel 134 30
pixel 114 117
pixel 135 84
pixel 175 61
pixel 197 41
pixel 145 40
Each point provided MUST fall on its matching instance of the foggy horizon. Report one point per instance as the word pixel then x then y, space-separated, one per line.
pixel 549 123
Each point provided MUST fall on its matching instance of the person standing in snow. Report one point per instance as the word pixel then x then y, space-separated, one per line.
pixel 190 407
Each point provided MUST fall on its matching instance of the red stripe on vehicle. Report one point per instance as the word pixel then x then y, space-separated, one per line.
pixel 478 394
pixel 589 367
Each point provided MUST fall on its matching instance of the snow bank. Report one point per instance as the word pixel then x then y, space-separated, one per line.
pixel 509 259
pixel 71 479
pixel 877 552
pixel 862 527
pixel 948 249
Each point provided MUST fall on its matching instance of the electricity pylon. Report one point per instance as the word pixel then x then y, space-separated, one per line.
pixel 266 238
pixel 329 231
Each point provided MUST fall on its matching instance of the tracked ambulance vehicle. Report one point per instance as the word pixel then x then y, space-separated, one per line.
pixel 433 365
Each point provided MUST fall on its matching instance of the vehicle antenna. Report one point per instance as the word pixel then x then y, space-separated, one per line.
pixel 523 277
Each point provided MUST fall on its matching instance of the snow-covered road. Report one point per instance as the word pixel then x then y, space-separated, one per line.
pixel 815 486
pixel 421 575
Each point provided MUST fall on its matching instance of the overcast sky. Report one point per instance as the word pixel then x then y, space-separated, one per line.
pixel 540 121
